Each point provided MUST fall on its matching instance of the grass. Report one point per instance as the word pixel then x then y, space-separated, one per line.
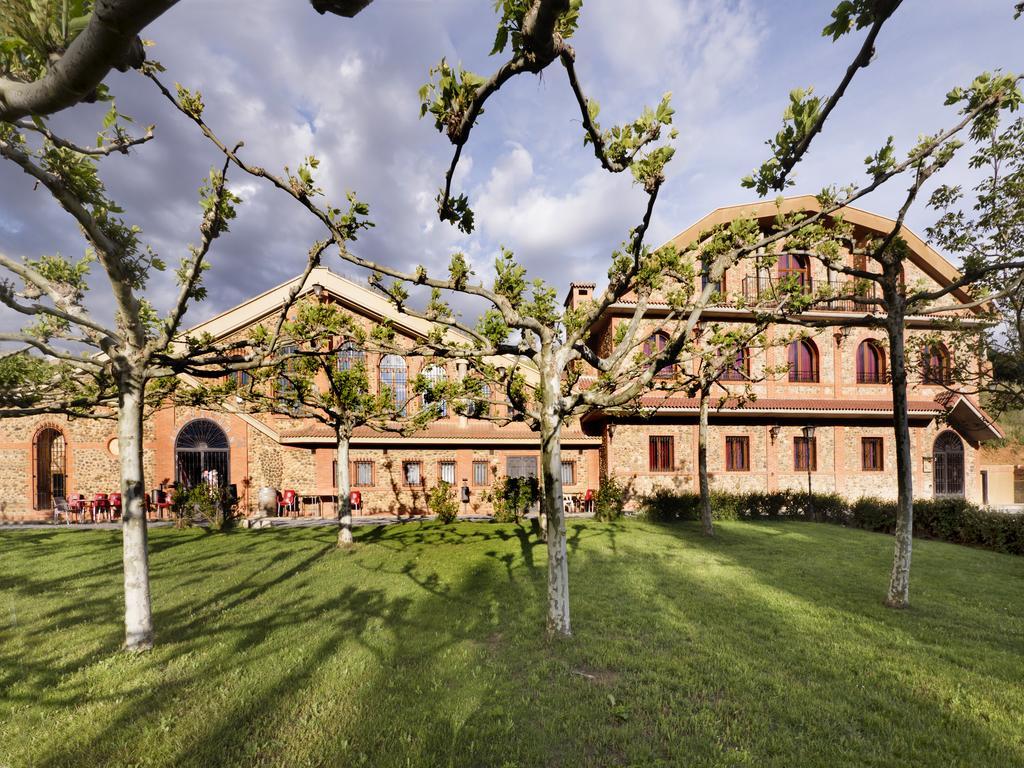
pixel 424 646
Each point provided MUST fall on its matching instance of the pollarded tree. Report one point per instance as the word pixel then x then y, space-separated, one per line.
pixel 139 346
pixel 55 55
pixel 991 231
pixel 892 302
pixel 324 379
pixel 523 321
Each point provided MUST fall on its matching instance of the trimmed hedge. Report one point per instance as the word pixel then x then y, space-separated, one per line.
pixel 953 520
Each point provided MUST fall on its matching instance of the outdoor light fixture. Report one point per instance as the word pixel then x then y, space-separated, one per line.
pixel 319 291
pixel 808 437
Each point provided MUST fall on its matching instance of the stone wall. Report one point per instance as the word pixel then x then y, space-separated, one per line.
pixel 838 468
pixel 91 463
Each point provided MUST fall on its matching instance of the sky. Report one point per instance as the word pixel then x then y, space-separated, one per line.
pixel 290 83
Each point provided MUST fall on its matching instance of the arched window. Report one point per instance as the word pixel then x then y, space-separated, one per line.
pixel 201 447
pixel 287 395
pixel 51 467
pixel 870 363
pixel 393 378
pixel 349 356
pixel 656 343
pixel 935 365
pixel 705 280
pixel 481 404
pixel 793 266
pixel 435 376
pixel 803 361
pixel 740 368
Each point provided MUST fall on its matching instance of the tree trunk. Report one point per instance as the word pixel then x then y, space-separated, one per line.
pixel 702 466
pixel 899 581
pixel 344 482
pixel 551 506
pixel 138 614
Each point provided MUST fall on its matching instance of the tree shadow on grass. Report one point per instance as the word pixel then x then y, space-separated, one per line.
pixel 686 652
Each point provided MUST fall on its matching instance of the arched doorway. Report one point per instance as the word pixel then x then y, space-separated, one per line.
pixel 201 446
pixel 948 465
pixel 51 467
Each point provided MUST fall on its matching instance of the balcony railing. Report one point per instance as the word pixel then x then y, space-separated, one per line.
pixel 804 376
pixel 850 291
pixel 758 288
pixel 765 288
pixel 873 377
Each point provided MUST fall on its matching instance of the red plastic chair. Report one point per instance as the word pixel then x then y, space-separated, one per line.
pixel 76 506
pixel 100 505
pixel 289 502
pixel 163 503
pixel 114 500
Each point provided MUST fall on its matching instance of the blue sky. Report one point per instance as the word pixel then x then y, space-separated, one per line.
pixel 291 83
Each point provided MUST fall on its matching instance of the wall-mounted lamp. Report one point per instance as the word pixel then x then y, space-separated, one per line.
pixel 319 291
pixel 841 335
pixel 773 432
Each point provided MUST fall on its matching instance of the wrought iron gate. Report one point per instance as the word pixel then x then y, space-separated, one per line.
pixel 949 465
pixel 201 447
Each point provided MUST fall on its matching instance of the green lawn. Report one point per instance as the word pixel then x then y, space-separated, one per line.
pixel 768 646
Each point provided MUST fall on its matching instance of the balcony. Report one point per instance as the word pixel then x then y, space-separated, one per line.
pixel 765 288
pixel 758 288
pixel 848 290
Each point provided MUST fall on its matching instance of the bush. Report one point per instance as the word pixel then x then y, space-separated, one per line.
pixel 204 504
pixel 873 514
pixel 955 520
pixel 511 497
pixel 610 500
pixel 442 502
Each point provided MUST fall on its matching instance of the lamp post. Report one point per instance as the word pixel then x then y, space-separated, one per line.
pixel 808 437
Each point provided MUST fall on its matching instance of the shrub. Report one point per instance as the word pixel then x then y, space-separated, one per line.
pixel 204 504
pixel 511 497
pixel 954 520
pixel 442 502
pixel 611 497
pixel 873 514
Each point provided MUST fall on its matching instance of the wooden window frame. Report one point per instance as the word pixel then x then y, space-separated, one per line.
pixel 355 473
pixel 455 471
pixel 570 463
pixel 879 452
pixel 796 374
pixel 487 473
pixel 655 459
pixel 798 455
pixel 653 346
pixel 742 372
pixel 405 475
pixel 730 464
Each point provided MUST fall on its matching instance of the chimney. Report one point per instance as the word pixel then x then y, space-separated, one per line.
pixel 579 293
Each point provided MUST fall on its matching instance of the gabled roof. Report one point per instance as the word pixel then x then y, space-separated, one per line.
pixel 921 254
pixel 352 295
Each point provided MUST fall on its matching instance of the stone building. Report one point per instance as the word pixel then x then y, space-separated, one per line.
pixel 836 380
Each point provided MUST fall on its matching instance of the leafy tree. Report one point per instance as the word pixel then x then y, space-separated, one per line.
pixel 55 55
pixel 552 348
pixel 325 379
pixel 990 233
pixel 117 362
pixel 888 308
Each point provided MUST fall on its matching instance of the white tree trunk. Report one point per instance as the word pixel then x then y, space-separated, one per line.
pixel 899 580
pixel 344 482
pixel 702 466
pixel 138 614
pixel 551 506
